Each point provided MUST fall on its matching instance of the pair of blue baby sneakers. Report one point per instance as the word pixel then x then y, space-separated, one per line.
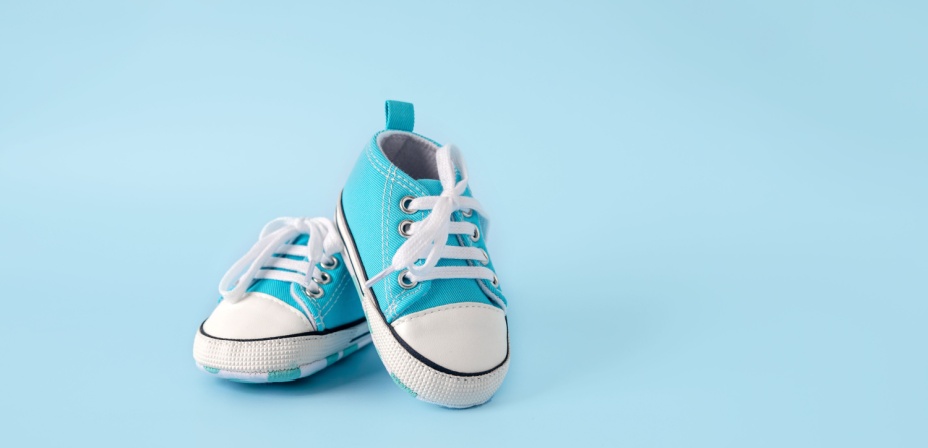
pixel 411 239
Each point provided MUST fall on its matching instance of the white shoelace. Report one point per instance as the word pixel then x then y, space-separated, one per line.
pixel 428 238
pixel 261 262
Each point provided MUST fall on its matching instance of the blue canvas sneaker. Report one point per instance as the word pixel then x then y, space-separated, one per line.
pixel 415 243
pixel 287 308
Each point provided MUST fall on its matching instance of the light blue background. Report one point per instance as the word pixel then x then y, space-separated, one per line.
pixel 709 217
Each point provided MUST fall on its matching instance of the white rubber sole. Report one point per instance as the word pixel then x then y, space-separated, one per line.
pixel 276 360
pixel 409 372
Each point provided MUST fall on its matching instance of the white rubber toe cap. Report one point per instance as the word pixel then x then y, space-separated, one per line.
pixel 462 337
pixel 255 316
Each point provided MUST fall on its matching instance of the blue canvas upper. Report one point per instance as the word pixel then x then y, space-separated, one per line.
pixel 371 205
pixel 338 305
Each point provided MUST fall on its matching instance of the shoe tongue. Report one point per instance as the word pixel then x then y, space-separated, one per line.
pixel 301 240
pixel 433 186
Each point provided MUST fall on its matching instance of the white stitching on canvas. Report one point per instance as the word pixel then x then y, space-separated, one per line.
pixel 399 298
pixel 383 228
pixel 416 188
pixel 298 294
pixel 336 294
pixel 390 195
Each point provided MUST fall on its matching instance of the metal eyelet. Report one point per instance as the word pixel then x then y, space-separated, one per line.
pixel 404 205
pixel 495 282
pixel 404 282
pixel 314 294
pixel 467 212
pixel 486 258
pixel 404 228
pixel 324 279
pixel 476 236
pixel 329 267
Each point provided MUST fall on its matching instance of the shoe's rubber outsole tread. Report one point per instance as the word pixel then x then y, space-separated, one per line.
pixel 407 371
pixel 276 360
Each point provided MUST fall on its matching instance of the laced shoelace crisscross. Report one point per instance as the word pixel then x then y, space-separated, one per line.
pixel 267 259
pixel 428 238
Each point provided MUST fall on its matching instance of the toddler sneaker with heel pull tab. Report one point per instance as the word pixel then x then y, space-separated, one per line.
pixel 415 242
pixel 287 308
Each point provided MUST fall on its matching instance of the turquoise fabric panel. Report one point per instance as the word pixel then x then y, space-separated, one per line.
pixel 370 201
pixel 338 305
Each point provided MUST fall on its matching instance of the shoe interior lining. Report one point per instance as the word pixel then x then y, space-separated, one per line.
pixel 412 154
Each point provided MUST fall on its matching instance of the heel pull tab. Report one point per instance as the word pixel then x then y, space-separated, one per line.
pixel 400 115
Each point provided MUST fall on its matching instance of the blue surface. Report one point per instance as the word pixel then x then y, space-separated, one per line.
pixel 710 218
